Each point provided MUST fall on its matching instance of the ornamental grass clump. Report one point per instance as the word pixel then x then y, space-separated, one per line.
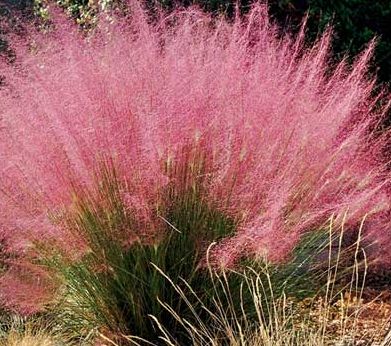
pixel 112 288
pixel 153 127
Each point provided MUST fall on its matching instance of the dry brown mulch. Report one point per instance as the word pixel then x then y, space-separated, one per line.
pixel 358 320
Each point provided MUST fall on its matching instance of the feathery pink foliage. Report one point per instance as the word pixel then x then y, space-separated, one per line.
pixel 290 141
pixel 26 288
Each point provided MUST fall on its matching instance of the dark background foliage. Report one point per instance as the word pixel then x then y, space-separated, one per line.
pixel 355 21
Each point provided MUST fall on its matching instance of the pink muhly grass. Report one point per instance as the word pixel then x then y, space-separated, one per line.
pixel 287 139
pixel 26 288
